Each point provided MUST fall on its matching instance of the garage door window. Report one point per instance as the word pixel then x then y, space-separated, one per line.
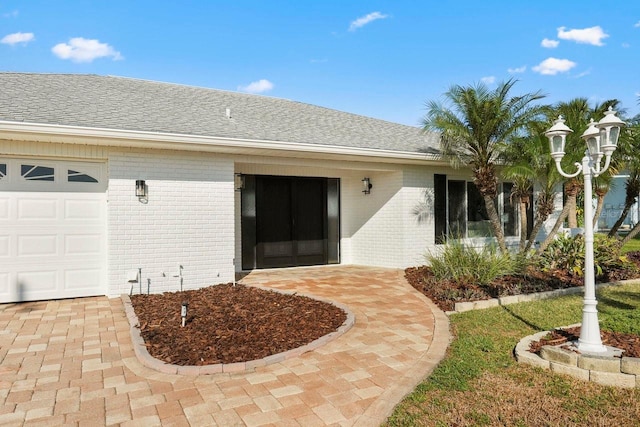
pixel 3 170
pixel 37 173
pixel 75 176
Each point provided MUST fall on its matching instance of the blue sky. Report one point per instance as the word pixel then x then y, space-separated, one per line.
pixel 383 59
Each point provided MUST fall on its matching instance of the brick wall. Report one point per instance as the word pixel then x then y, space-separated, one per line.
pixel 186 220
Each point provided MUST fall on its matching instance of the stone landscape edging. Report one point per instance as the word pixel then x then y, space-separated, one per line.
pixel 141 352
pixel 621 372
pixel 461 307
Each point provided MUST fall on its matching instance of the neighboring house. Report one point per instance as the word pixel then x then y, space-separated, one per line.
pixel 233 182
pixel 614 204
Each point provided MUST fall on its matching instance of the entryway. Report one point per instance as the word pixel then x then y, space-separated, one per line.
pixel 289 221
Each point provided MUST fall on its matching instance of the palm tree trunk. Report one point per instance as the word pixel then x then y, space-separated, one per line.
pixel 599 207
pixel 534 232
pixel 544 208
pixel 572 202
pixel 523 223
pixel 623 216
pixel 633 233
pixel 556 227
pixel 494 220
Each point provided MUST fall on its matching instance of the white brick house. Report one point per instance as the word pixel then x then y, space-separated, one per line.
pixel 233 181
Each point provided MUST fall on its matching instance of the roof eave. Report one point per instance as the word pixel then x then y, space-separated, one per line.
pixel 65 134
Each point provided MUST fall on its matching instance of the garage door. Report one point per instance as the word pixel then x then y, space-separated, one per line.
pixel 52 229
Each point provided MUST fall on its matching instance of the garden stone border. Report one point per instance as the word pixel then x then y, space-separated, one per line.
pixel 621 372
pixel 461 307
pixel 140 349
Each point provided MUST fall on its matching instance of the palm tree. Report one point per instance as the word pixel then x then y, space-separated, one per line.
pixel 629 146
pixel 529 161
pixel 577 114
pixel 475 124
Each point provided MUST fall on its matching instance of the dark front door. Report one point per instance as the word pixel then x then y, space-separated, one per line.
pixel 292 222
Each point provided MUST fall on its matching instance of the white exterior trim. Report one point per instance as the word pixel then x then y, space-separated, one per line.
pixel 141 139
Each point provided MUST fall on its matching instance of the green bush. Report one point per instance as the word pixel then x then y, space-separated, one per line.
pixel 567 253
pixel 463 263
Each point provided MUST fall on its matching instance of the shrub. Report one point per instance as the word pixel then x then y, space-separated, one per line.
pixel 567 253
pixel 463 263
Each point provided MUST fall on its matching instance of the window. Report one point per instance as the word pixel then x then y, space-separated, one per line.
pixel 75 176
pixel 460 210
pixel 3 170
pixel 36 173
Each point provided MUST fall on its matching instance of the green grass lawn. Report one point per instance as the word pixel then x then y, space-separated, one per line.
pixel 632 245
pixel 480 383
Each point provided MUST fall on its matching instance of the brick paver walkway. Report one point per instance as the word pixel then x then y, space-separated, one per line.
pixel 70 362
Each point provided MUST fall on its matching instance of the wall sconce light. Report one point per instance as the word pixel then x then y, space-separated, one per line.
pixel 366 185
pixel 141 188
pixel 239 181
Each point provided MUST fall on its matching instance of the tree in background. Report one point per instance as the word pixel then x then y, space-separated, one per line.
pixel 475 125
pixel 577 115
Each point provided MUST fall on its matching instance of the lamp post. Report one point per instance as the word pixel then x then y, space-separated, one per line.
pixel 601 139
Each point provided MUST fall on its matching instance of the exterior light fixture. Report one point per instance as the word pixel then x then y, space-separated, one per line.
pixel 141 188
pixel 183 312
pixel 601 139
pixel 238 180
pixel 366 185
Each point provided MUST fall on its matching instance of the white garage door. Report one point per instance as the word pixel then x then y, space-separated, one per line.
pixel 52 229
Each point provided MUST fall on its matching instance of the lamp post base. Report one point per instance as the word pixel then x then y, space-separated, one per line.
pixel 604 351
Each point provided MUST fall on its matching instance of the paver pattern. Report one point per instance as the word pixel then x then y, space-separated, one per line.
pixel 71 362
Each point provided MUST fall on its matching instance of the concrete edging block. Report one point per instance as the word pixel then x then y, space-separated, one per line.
pixel 630 365
pixel 599 363
pixel 143 356
pixel 613 379
pixel 573 371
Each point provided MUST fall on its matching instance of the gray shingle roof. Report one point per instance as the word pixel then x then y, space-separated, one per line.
pixel 139 105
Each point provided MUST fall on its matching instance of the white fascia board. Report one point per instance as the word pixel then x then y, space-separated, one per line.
pixel 168 141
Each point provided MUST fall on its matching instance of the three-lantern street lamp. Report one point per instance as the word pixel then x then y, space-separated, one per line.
pixel 602 140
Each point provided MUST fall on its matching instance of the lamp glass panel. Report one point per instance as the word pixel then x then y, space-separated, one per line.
pixel 603 137
pixel 613 135
pixel 557 144
pixel 593 145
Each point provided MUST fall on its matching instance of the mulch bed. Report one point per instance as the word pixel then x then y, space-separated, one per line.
pixel 445 294
pixel 228 324
pixel 630 343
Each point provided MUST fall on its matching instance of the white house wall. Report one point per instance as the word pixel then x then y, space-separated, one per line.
pixel 188 218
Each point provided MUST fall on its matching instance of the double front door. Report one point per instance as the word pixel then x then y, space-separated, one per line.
pixel 289 221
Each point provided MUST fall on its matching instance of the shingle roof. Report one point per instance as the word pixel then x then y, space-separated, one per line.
pixel 139 105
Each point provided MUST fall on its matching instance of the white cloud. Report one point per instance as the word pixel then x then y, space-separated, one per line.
pixel 592 35
pixel 11 14
pixel 489 80
pixel 364 20
pixel 637 25
pixel 257 87
pixel 319 61
pixel 517 70
pixel 80 49
pixel 548 43
pixel 584 73
pixel 553 66
pixel 626 45
pixel 16 38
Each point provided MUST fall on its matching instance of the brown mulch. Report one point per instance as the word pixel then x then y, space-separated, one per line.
pixel 630 343
pixel 228 324
pixel 445 294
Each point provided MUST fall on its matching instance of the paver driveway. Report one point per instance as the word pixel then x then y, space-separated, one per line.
pixel 70 362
